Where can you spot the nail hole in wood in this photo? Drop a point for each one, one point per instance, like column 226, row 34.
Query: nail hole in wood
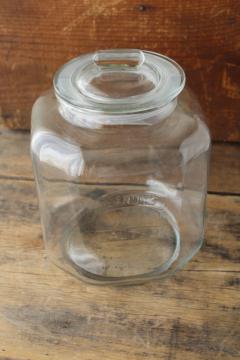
column 142, row 7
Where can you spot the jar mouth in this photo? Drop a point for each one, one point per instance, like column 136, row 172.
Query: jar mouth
column 119, row 82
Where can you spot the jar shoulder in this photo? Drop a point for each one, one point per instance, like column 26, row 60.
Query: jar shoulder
column 184, row 133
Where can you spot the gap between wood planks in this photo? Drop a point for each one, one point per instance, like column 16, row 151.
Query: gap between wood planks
column 22, row 178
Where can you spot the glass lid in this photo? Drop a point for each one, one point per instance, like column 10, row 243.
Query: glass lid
column 119, row 81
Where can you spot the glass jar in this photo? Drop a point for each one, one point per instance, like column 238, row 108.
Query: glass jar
column 120, row 156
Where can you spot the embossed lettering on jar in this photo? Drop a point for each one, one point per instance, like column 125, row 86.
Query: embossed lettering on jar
column 120, row 155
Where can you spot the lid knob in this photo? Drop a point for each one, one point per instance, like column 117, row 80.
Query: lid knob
column 126, row 58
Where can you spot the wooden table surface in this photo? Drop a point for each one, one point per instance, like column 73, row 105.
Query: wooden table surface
column 47, row 314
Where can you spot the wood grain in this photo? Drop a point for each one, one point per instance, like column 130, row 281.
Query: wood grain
column 63, row 319
column 36, row 38
column 19, row 214
column 45, row 311
column 225, row 168
column 47, row 314
column 224, row 177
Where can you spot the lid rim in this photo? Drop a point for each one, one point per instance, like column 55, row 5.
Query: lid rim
column 120, row 107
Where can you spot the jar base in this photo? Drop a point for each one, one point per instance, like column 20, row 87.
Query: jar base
column 129, row 236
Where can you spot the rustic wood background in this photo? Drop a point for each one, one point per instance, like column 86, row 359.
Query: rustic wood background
column 36, row 37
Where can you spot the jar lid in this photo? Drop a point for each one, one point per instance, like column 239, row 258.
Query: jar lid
column 122, row 81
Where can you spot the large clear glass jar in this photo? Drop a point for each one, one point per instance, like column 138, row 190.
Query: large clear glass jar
column 120, row 156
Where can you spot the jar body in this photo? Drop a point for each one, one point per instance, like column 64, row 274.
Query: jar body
column 121, row 203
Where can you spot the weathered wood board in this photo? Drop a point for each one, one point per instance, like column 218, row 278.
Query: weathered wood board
column 47, row 314
column 37, row 37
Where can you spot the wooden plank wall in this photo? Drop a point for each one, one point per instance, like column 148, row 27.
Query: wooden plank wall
column 36, row 37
